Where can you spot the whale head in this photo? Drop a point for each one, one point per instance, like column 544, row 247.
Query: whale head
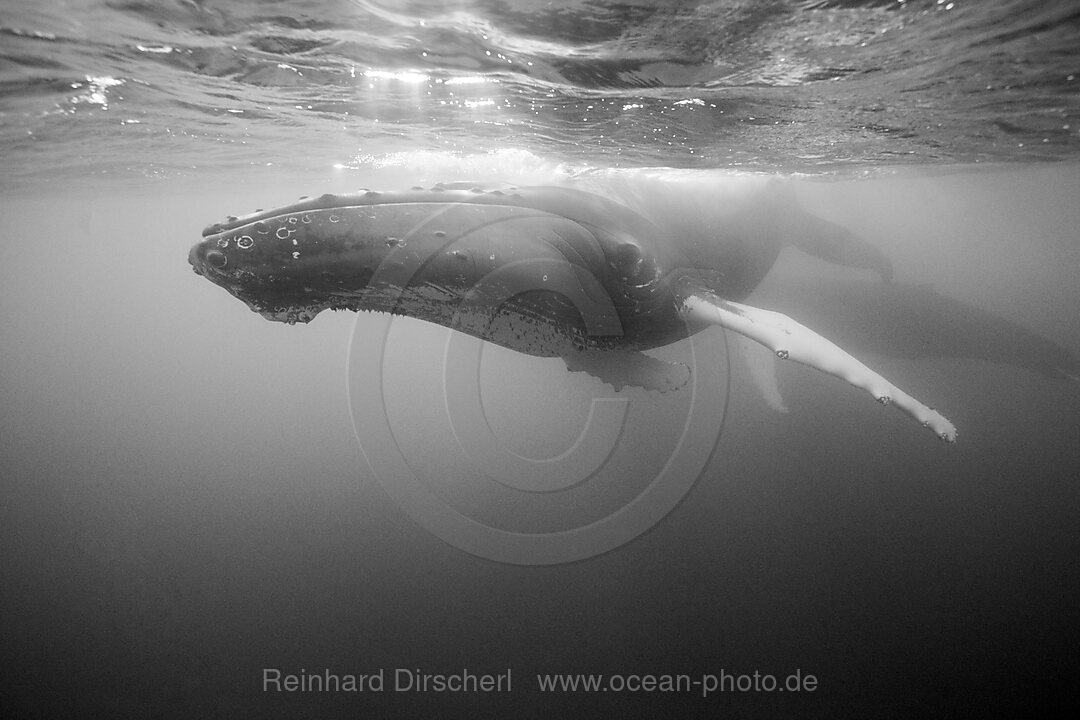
column 291, row 263
column 275, row 265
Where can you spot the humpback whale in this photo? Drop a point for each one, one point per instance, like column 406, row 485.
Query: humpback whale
column 546, row 270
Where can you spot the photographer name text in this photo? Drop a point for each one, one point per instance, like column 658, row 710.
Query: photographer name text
column 382, row 680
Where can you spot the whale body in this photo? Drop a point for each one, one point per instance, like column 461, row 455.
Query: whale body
column 547, row 271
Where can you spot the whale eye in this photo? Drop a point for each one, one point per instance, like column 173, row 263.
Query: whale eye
column 216, row 259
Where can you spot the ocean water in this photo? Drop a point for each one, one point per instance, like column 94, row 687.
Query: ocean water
column 190, row 497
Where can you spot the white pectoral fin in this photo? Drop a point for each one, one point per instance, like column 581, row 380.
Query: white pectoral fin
column 791, row 340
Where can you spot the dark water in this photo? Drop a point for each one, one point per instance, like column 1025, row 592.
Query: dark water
column 184, row 500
